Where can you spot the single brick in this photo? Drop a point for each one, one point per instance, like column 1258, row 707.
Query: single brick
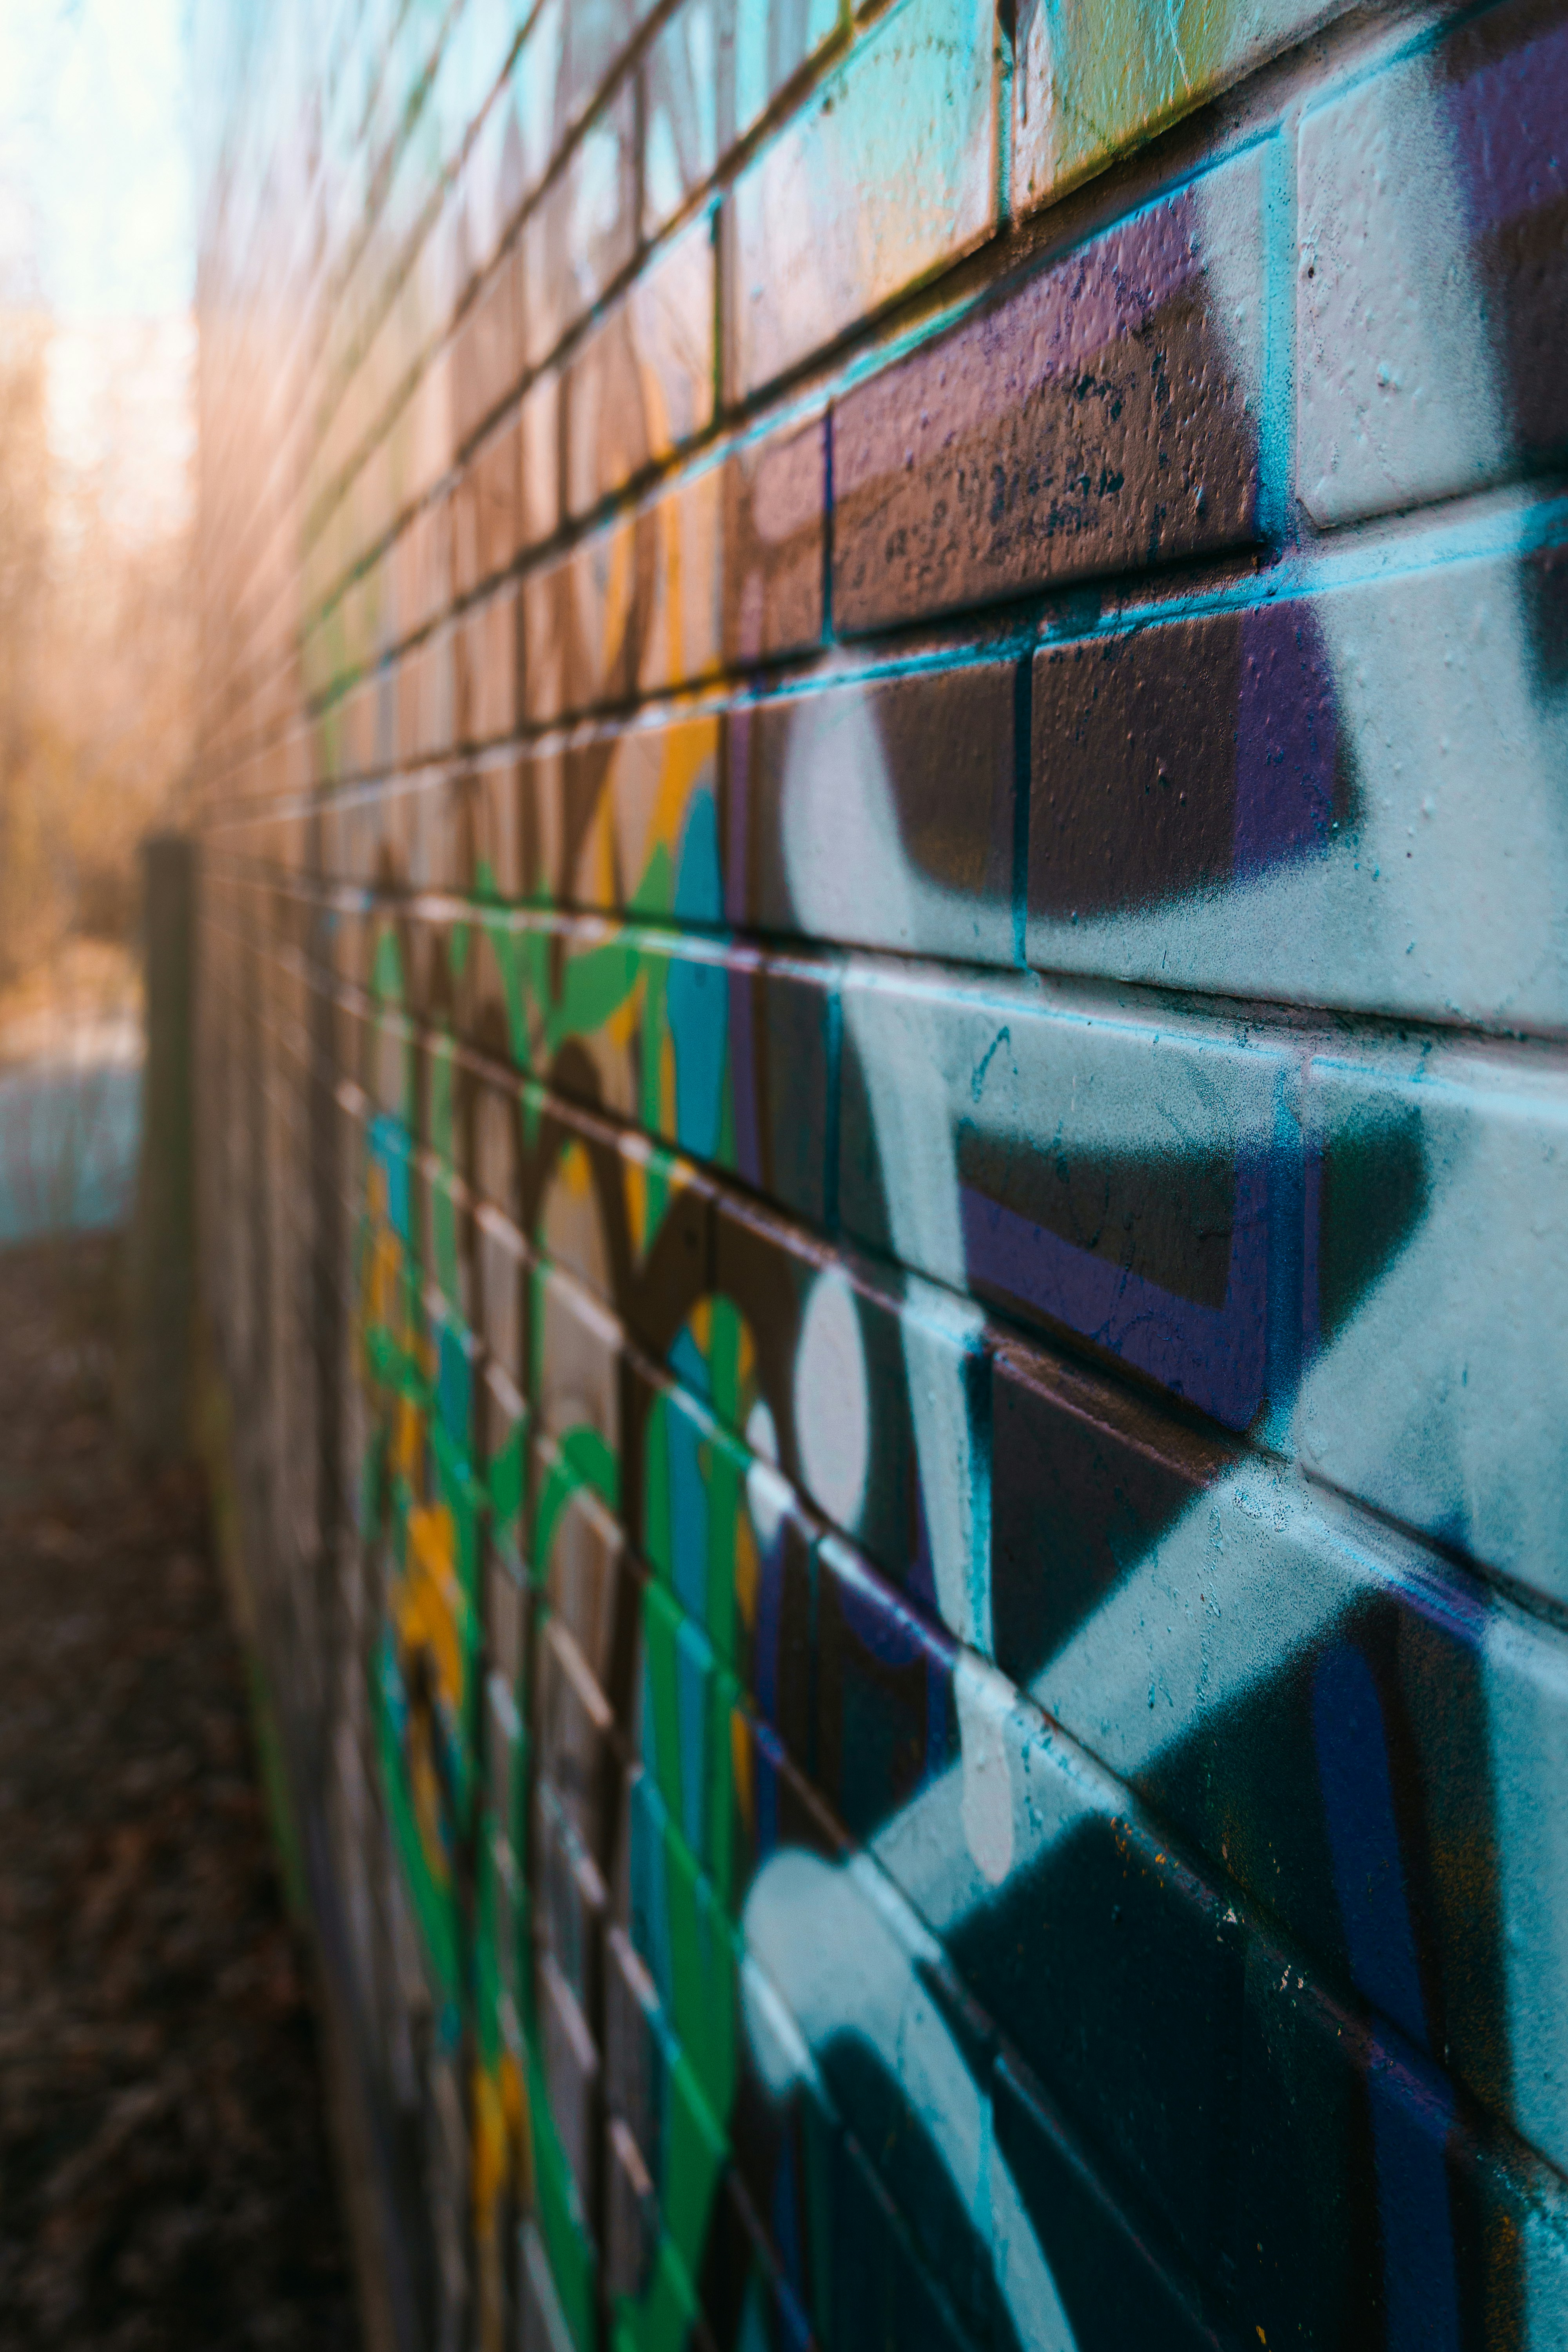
column 685, row 65
column 877, row 813
column 1437, row 1237
column 502, row 1266
column 686, row 1507
column 640, row 821
column 607, row 437
column 575, row 614
column 1128, row 1182
column 432, row 436
column 574, row 1374
column 774, row 524
column 685, row 1723
column 492, row 861
column 677, row 610
column 1182, row 758
column 357, row 743
column 484, row 510
column 422, row 561
column 487, row 668
column 1088, row 85
column 714, row 68
column 493, row 1099
column 909, row 124
column 539, row 824
column 1085, row 1477
column 1102, row 416
column 578, row 1558
column 1433, row 281
column 642, row 380
column 570, row 1163
column 582, row 231
column 488, row 348
column 425, row 697
column 539, row 460
column 780, row 1071
column 576, row 1731
column 1334, row 846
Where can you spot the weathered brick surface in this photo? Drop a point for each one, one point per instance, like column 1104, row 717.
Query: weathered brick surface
column 1431, row 242
column 909, row 120
column 1089, row 85
column 883, row 1142
column 1179, row 758
column 1104, row 416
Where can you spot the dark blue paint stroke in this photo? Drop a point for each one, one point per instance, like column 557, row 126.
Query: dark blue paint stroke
column 1217, row 1358
column 1409, row 2129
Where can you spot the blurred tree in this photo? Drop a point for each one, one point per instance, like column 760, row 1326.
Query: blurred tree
column 96, row 618
column 24, row 578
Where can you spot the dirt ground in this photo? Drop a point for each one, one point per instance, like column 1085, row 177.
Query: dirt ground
column 165, row 2179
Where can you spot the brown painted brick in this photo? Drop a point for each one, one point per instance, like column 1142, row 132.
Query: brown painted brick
column 774, row 499
column 484, row 510
column 1182, row 757
column 487, row 665
column 539, row 460
column 487, row 351
column 1101, row 417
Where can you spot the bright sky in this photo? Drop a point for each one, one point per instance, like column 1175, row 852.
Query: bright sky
column 95, row 158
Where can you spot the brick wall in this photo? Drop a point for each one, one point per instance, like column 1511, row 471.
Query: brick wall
column 885, row 1146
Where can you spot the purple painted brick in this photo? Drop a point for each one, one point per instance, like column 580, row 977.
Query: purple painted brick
column 1181, row 758
column 1101, row 417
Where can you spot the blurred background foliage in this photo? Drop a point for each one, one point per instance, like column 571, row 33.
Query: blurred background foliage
column 97, row 382
column 96, row 636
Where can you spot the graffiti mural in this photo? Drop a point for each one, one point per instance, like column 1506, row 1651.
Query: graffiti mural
column 886, row 1149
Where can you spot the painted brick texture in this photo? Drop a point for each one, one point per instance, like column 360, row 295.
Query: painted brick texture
column 885, row 1147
